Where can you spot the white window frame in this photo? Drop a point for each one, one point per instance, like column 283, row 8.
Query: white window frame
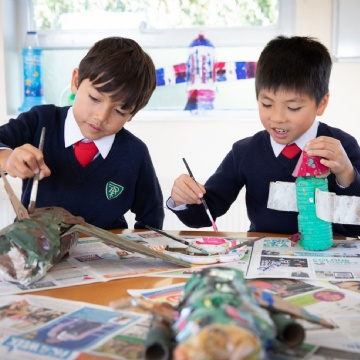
column 346, row 31
column 234, row 36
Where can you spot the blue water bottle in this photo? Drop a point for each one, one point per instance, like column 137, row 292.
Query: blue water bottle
column 32, row 58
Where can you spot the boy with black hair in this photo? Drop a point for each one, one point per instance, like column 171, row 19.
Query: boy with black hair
column 115, row 79
column 292, row 89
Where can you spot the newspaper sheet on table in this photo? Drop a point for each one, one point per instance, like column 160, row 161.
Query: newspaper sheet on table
column 94, row 261
column 328, row 299
column 281, row 258
column 37, row 328
column 42, row 328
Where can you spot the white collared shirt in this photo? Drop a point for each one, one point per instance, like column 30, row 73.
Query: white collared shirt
column 300, row 142
column 72, row 135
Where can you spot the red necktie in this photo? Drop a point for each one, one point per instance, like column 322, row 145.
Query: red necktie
column 291, row 150
column 85, row 152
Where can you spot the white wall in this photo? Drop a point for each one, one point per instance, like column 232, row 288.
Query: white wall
column 204, row 141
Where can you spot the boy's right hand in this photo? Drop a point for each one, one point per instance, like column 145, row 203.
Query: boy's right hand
column 186, row 191
column 24, row 162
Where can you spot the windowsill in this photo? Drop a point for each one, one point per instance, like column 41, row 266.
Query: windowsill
column 177, row 115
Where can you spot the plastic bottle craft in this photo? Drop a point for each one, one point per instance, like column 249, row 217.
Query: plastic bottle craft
column 201, row 72
column 32, row 58
column 221, row 317
column 315, row 234
column 200, row 75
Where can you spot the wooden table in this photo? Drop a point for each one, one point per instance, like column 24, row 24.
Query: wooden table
column 103, row 293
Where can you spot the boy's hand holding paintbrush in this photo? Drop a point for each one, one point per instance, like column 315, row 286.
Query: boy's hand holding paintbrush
column 187, row 190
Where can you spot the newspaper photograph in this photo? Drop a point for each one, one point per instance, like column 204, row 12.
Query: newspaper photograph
column 282, row 258
column 36, row 327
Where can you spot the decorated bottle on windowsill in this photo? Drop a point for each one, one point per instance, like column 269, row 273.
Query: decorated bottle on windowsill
column 315, row 234
column 200, row 79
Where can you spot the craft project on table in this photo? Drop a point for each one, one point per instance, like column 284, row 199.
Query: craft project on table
column 219, row 313
column 317, row 207
column 35, row 242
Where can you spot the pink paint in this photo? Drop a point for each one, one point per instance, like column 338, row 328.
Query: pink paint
column 212, row 241
column 214, row 226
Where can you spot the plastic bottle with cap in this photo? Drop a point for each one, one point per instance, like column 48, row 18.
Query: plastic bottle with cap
column 32, row 63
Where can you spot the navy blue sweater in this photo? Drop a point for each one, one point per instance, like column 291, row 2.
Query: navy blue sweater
column 89, row 191
column 252, row 163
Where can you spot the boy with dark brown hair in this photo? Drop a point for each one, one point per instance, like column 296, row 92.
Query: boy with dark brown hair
column 114, row 80
column 292, row 89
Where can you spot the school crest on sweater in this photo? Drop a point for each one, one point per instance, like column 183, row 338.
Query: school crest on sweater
column 113, row 190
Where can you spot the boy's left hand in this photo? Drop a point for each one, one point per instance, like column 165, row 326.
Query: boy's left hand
column 333, row 156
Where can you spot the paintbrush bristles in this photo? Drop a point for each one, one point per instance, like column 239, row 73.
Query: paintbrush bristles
column 182, row 241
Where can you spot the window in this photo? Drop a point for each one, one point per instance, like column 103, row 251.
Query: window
column 156, row 14
column 347, row 30
column 161, row 23
column 164, row 28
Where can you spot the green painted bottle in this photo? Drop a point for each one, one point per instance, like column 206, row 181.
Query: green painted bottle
column 315, row 234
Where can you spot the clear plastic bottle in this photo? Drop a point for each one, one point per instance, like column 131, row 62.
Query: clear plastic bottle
column 32, row 59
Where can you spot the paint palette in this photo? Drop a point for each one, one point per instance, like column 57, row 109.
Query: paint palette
column 234, row 255
column 213, row 245
column 216, row 247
